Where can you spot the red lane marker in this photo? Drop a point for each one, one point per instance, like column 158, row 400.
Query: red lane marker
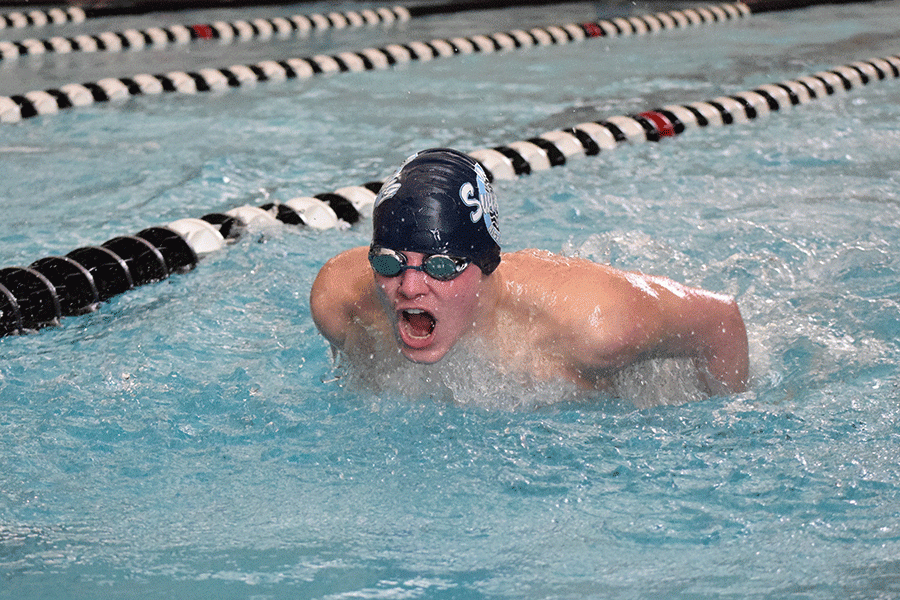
column 592, row 30
column 203, row 31
column 662, row 124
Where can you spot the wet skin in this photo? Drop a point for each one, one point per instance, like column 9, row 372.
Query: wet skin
column 538, row 313
column 429, row 316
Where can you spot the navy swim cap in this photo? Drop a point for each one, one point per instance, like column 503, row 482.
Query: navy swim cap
column 439, row 202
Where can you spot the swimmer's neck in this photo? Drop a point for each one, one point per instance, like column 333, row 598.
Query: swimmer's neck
column 484, row 323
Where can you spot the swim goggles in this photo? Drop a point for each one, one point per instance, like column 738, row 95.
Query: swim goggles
column 439, row 266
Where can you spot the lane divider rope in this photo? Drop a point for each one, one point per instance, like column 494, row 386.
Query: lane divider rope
column 222, row 31
column 40, row 294
column 40, row 18
column 554, row 148
column 59, row 16
column 46, row 102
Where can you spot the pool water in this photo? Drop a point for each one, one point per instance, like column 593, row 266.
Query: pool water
column 193, row 438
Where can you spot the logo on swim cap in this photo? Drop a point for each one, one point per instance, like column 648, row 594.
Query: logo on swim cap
column 484, row 203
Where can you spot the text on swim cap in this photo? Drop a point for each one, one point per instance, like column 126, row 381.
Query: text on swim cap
column 484, row 202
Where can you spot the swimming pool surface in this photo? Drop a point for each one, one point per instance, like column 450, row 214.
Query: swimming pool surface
column 192, row 438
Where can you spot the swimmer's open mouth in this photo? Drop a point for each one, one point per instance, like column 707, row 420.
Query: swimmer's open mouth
column 420, row 323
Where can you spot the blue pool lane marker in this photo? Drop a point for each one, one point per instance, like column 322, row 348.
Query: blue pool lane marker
column 39, row 103
column 51, row 288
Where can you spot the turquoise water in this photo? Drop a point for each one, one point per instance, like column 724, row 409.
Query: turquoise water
column 190, row 438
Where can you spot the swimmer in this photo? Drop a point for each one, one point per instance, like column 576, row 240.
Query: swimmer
column 434, row 277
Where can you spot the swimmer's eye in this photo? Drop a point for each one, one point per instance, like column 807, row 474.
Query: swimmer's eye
column 439, row 266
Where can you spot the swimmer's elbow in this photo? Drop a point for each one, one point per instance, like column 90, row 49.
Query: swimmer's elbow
column 330, row 330
column 732, row 323
column 339, row 286
column 727, row 350
column 326, row 311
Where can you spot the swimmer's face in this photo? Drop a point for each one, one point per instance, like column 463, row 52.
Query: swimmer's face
column 428, row 315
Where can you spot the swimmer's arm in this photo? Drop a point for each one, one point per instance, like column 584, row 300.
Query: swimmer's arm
column 653, row 317
column 335, row 294
column 708, row 328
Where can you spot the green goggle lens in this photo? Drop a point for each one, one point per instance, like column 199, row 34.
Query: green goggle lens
column 440, row 267
column 386, row 264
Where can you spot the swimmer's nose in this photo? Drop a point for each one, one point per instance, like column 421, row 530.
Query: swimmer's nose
column 413, row 283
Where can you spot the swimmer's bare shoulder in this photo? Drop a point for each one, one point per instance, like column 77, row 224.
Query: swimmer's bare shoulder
column 600, row 319
column 584, row 312
column 342, row 297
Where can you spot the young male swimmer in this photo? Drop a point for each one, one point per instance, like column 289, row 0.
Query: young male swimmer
column 434, row 277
